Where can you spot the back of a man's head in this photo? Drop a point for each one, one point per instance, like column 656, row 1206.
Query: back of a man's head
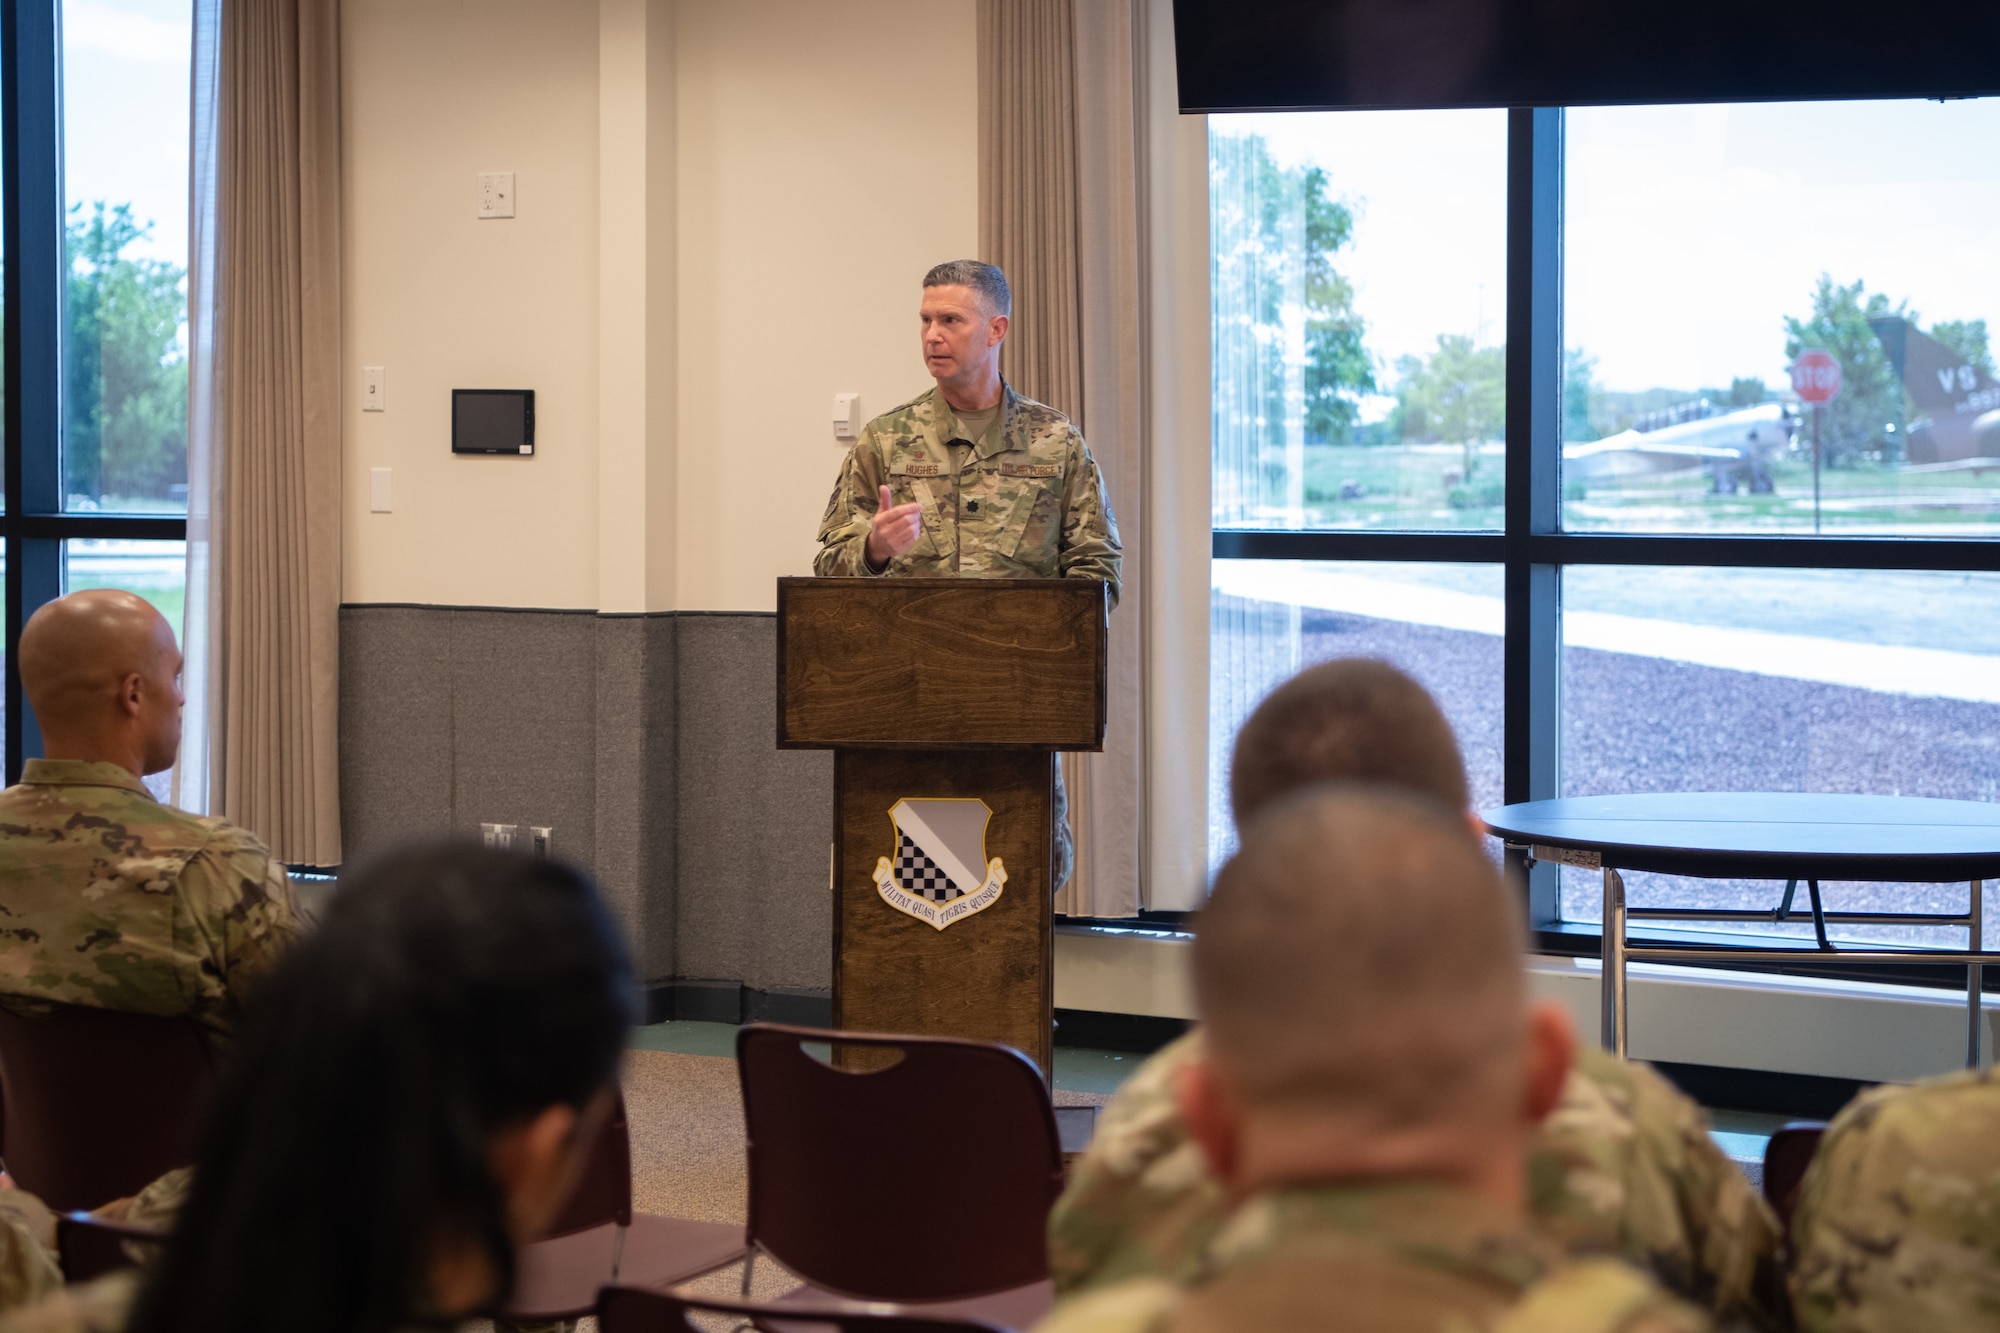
column 79, row 654
column 1356, row 719
column 1360, row 958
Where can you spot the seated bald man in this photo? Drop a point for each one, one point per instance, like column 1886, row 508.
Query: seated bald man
column 1366, row 1098
column 108, row 898
column 1623, row 1165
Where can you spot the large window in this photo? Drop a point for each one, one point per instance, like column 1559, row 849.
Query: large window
column 1360, row 277
column 94, row 121
column 1706, row 247
column 1555, row 465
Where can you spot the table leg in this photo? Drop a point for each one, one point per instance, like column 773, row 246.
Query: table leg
column 1975, row 975
column 1613, row 952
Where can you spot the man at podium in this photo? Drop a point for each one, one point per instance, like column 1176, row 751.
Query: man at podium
column 971, row 479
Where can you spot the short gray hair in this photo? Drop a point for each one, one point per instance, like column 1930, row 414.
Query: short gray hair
column 986, row 279
column 1361, row 954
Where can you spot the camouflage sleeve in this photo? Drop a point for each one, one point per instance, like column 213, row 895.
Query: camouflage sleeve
column 850, row 512
column 1090, row 548
column 1626, row 1164
column 1733, row 1259
column 243, row 916
column 103, row 1306
column 1898, row 1220
column 1600, row 1296
column 1138, row 1306
column 28, row 1269
column 1139, row 1202
column 160, row 1203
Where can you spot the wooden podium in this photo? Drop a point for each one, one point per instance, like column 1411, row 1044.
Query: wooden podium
column 936, row 695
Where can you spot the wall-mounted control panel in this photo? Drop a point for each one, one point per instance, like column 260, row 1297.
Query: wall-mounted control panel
column 493, row 421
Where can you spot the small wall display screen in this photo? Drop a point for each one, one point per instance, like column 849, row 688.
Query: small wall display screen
column 493, row 421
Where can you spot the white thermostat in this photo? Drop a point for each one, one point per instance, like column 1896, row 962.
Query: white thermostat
column 846, row 415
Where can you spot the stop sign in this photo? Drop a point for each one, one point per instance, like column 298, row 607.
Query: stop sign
column 1816, row 376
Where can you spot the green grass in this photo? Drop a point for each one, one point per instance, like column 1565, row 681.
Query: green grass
column 1866, row 499
column 1419, row 487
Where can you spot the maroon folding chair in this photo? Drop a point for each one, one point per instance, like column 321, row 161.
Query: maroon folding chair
column 926, row 1183
column 598, row 1240
column 99, row 1104
column 631, row 1310
column 89, row 1247
column 1786, row 1156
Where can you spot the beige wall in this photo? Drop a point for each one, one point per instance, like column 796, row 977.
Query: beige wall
column 828, row 157
column 724, row 208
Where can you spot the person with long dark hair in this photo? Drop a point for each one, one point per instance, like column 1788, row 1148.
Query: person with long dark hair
column 412, row 1097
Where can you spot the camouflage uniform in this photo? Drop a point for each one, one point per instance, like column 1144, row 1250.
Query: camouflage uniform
column 1898, row 1223
column 112, row 900
column 1374, row 1257
column 28, row 1269
column 1624, row 1165
column 103, row 1306
column 1023, row 501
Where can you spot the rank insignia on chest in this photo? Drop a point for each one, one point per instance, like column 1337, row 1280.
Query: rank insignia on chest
column 940, row 873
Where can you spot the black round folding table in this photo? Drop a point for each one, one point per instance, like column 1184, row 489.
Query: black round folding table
column 1790, row 836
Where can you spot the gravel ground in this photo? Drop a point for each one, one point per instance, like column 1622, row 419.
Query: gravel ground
column 1639, row 724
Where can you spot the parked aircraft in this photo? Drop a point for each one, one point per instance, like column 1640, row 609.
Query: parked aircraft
column 1737, row 447
column 1958, row 405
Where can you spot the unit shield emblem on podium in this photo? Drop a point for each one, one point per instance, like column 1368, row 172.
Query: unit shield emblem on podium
column 940, row 873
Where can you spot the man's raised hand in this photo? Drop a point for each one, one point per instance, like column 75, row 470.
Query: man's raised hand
column 893, row 531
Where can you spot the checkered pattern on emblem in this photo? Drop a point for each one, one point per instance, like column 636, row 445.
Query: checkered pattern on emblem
column 918, row 874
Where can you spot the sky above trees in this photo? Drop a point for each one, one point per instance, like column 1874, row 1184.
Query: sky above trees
column 1691, row 231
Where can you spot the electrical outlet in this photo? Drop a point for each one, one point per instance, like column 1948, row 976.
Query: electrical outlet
column 496, row 194
column 541, row 840
column 500, row 837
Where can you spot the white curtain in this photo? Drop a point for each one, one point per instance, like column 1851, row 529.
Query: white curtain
column 1063, row 147
column 264, row 425
column 191, row 774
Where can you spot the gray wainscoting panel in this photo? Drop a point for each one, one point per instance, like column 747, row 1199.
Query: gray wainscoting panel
column 635, row 789
column 395, row 725
column 755, row 821
column 524, row 725
column 659, row 807
column 646, row 742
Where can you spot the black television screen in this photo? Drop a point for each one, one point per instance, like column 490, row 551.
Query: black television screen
column 493, row 421
column 1305, row 55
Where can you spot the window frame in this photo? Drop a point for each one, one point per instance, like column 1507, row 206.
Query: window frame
column 1532, row 547
column 34, row 526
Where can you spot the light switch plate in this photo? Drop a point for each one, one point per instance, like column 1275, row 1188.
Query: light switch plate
column 496, row 194
column 374, row 389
